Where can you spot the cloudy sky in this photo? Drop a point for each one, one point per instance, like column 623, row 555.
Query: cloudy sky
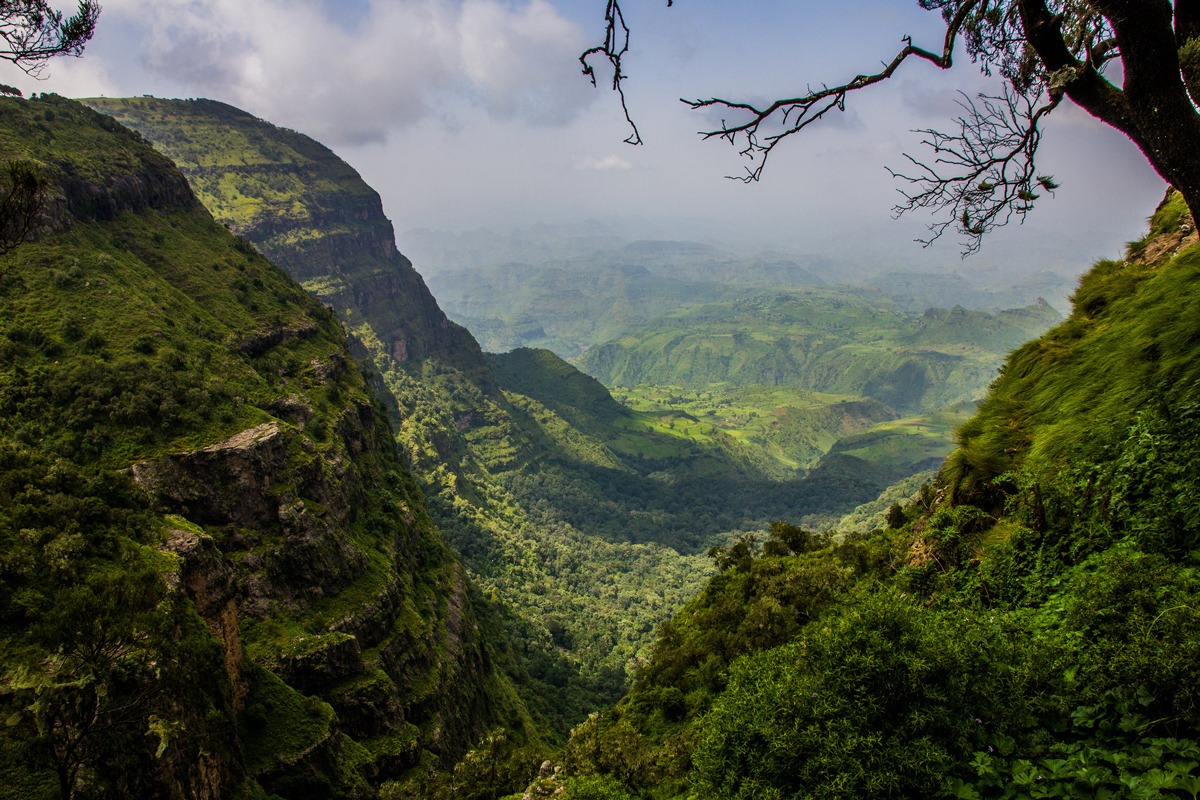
column 468, row 114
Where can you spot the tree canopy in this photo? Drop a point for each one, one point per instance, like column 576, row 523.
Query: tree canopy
column 32, row 31
column 982, row 172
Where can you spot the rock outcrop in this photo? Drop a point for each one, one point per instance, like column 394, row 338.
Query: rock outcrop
column 222, row 461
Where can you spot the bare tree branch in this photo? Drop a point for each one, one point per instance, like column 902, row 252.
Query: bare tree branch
column 797, row 113
column 616, row 45
column 984, row 175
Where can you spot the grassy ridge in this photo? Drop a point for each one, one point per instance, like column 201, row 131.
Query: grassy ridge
column 249, row 172
column 1132, row 346
column 787, row 430
column 310, row 213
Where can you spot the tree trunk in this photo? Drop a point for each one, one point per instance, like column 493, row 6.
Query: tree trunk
column 1158, row 99
column 1153, row 108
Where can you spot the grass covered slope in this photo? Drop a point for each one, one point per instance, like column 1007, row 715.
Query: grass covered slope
column 1040, row 642
column 1131, row 347
column 217, row 578
column 542, row 376
column 821, row 341
column 783, row 431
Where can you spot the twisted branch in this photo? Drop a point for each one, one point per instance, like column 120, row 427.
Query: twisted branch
column 616, row 45
column 797, row 113
column 985, row 174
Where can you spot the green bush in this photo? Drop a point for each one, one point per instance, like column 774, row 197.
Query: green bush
column 884, row 699
column 594, row 787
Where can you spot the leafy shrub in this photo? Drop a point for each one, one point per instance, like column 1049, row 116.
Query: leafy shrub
column 94, row 343
column 1115, row 762
column 594, row 787
column 883, row 699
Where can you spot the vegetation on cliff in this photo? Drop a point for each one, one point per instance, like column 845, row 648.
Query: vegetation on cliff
column 217, row 578
column 578, row 513
column 218, row 573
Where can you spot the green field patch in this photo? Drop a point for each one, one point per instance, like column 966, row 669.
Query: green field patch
column 780, row 429
column 825, row 341
column 919, row 442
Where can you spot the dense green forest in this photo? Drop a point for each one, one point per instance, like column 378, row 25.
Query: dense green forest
column 441, row 566
column 587, row 517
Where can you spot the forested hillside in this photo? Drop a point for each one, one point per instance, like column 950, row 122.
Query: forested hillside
column 217, row 578
column 1026, row 628
column 585, row 518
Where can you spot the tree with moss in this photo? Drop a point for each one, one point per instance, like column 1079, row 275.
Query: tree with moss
column 22, row 200
column 982, row 172
column 96, row 678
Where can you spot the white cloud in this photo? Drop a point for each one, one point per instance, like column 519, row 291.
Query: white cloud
column 605, row 164
column 402, row 60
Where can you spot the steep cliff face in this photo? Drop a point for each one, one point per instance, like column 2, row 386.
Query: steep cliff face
column 217, row 577
column 310, row 213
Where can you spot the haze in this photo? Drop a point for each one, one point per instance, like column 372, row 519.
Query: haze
column 473, row 115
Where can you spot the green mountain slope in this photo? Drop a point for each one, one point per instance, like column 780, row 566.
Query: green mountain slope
column 1026, row 627
column 308, row 212
column 574, row 302
column 786, row 431
column 479, row 454
column 824, row 342
column 217, row 577
column 540, row 375
column 1131, row 348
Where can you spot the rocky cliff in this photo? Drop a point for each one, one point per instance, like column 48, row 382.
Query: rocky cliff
column 218, row 578
column 310, row 213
